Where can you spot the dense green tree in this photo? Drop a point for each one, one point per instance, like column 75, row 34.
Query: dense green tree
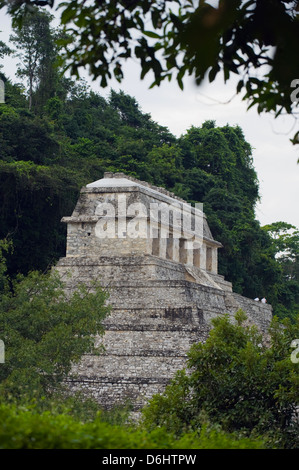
column 285, row 242
column 285, row 246
column 237, row 380
column 33, row 200
column 44, row 331
column 128, row 109
column 35, row 140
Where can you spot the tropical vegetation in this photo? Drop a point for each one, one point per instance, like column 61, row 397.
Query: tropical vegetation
column 57, row 135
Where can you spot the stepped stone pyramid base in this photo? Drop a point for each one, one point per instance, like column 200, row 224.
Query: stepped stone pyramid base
column 161, row 302
column 158, row 312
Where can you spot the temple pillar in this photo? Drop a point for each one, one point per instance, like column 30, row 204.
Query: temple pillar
column 209, row 259
column 189, row 252
column 196, row 257
column 214, row 261
column 169, row 247
column 203, row 256
column 183, row 251
column 162, row 247
column 176, row 249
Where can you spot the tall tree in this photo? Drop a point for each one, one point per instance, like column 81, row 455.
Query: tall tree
column 35, row 42
column 285, row 247
column 285, row 242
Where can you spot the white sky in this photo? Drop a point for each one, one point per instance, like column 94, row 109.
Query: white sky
column 274, row 156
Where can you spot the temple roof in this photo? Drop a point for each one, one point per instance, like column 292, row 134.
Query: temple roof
column 115, row 182
column 120, row 180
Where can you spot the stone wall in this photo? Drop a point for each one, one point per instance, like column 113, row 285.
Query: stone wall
column 156, row 316
column 161, row 304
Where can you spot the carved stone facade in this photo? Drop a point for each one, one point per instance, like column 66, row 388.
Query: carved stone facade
column 157, row 258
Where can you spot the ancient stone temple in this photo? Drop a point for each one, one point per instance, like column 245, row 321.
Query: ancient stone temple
column 157, row 257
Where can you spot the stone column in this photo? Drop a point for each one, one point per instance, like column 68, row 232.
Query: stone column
column 189, row 252
column 196, row 257
column 156, row 246
column 209, row 259
column 183, row 251
column 203, row 257
column 162, row 247
column 149, row 243
column 176, row 249
column 169, row 247
column 214, row 260
column 154, row 234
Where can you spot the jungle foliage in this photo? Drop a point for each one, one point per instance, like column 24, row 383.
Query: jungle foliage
column 25, row 428
column 255, row 40
column 45, row 332
column 57, row 135
column 238, row 381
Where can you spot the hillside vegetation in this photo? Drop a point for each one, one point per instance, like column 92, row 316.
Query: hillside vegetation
column 49, row 152
column 57, row 135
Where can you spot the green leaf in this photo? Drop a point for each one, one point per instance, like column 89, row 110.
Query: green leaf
column 68, row 14
column 151, row 34
column 213, row 72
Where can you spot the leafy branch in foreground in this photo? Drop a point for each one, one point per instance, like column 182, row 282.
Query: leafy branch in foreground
column 253, row 40
column 25, row 428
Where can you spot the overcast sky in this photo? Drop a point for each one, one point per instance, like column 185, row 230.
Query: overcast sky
column 275, row 158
